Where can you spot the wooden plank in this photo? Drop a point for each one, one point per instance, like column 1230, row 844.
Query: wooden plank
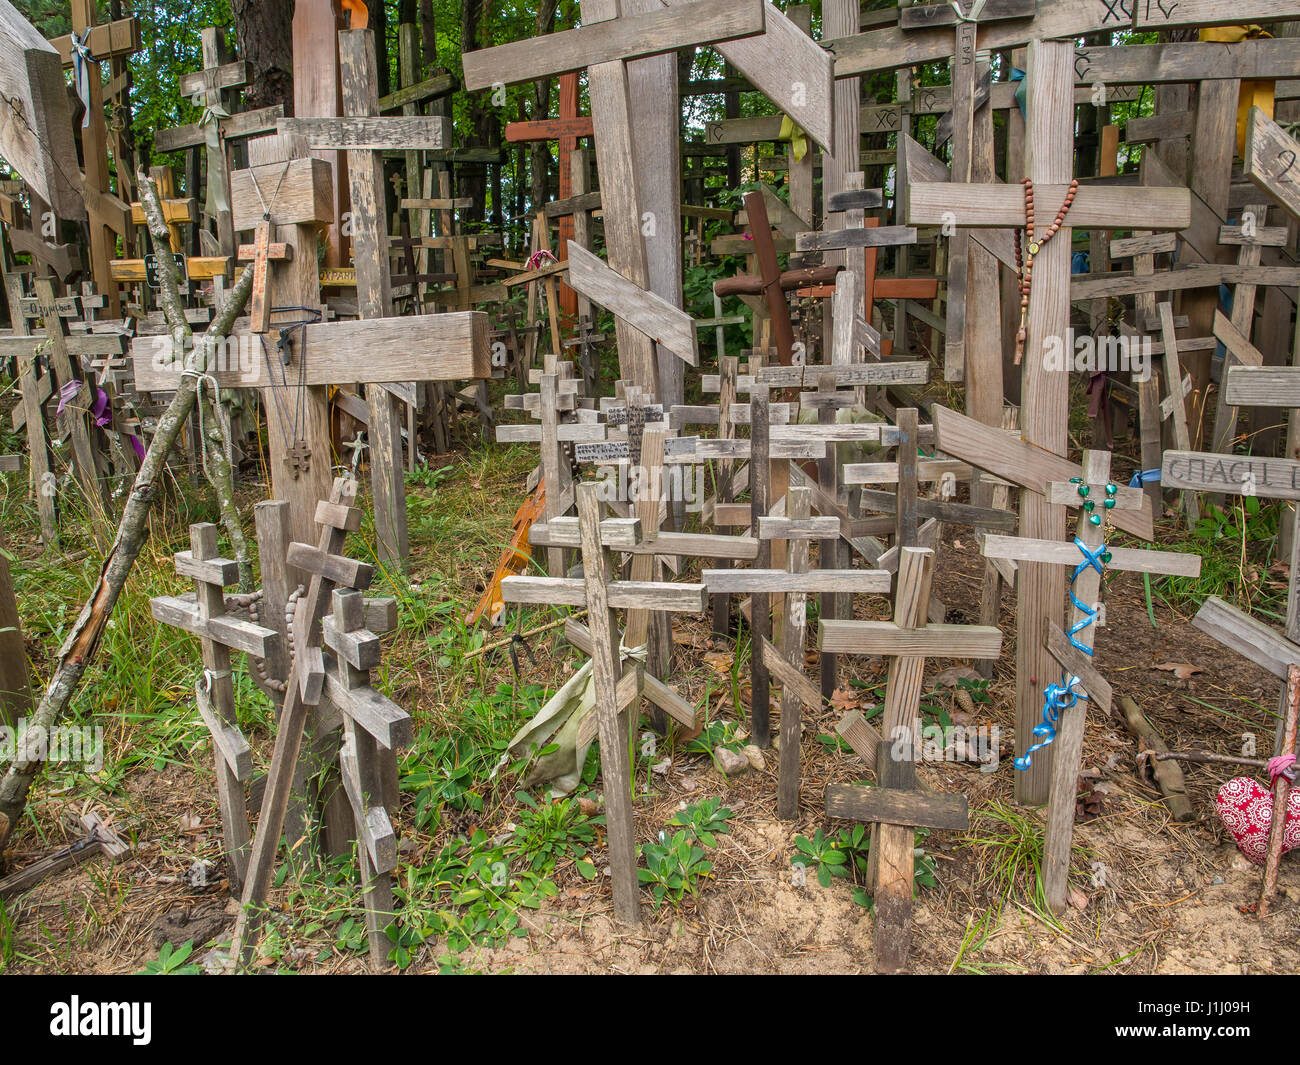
column 1247, row 636
column 1075, row 661
column 640, row 308
column 237, row 127
column 438, row 347
column 931, row 641
column 892, row 806
column 1270, row 158
column 1262, row 386
column 1233, row 474
column 227, row 76
column 623, row 595
column 1146, row 64
column 1003, row 206
column 836, row 240
column 1018, row 461
column 1181, row 278
column 1156, row 16
column 924, row 16
column 367, row 133
column 776, row 581
column 789, row 676
column 1061, row 553
column 621, row 39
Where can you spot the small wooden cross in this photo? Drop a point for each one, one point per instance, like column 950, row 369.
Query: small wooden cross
column 895, row 804
column 1063, row 718
column 214, row 692
column 304, row 689
column 795, row 582
column 615, row 688
column 374, row 728
column 585, row 342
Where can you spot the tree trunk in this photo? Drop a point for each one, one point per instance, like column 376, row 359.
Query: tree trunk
column 539, row 162
column 265, row 36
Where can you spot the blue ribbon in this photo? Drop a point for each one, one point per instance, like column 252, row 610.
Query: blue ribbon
column 1063, row 695
column 1142, row 477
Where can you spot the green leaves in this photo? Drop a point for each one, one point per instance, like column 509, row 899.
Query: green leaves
column 171, row 961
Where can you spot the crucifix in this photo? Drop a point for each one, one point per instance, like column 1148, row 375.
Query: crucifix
column 302, row 355
column 88, row 46
column 374, row 727
column 1045, row 314
column 214, row 692
column 616, row 688
column 566, row 131
column 896, row 806
column 1062, row 716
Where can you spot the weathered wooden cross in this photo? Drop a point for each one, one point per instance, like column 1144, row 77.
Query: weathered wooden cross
column 895, row 805
column 374, row 727
column 1062, row 716
column 214, row 692
column 1049, row 158
column 616, row 688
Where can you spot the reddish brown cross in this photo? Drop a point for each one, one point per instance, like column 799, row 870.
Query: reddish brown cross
column 568, row 129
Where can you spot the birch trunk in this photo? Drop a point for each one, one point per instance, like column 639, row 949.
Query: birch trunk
column 83, row 641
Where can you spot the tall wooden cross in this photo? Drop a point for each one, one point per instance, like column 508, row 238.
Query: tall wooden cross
column 566, row 131
column 1049, row 160
column 301, row 356
column 365, row 135
column 109, row 215
column 1062, row 715
column 896, row 805
column 214, row 692
column 616, row 689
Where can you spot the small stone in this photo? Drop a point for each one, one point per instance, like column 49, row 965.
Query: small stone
column 730, row 763
column 1218, row 880
column 755, row 756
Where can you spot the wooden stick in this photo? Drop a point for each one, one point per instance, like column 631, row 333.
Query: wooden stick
column 1169, row 777
column 1281, row 791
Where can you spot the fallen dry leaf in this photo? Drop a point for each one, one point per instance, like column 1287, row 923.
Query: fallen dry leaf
column 720, row 661
column 846, row 699
column 1181, row 670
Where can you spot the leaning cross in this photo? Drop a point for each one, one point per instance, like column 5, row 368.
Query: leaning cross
column 214, row 692
column 895, row 804
column 1063, row 718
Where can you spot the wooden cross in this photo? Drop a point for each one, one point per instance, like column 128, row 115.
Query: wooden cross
column 214, row 692
column 374, row 728
column 305, row 688
column 585, row 342
column 566, row 131
column 314, row 355
column 109, row 216
column 1049, row 140
column 615, row 688
column 895, row 804
column 1063, row 718
column 1267, row 478
column 794, row 582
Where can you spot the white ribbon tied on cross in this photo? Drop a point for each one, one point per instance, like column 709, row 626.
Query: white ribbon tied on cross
column 81, row 60
column 210, row 122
